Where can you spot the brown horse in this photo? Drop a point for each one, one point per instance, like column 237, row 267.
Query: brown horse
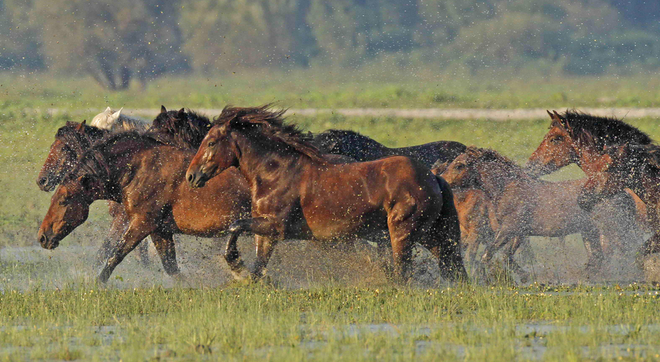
column 146, row 174
column 580, row 138
column 475, row 215
column 636, row 167
column 296, row 193
column 524, row 206
column 71, row 141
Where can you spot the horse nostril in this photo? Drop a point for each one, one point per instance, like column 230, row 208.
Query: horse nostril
column 43, row 239
column 190, row 178
column 41, row 181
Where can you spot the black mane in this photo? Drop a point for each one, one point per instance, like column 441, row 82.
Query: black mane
column 79, row 141
column 181, row 128
column 600, row 131
column 93, row 161
column 269, row 124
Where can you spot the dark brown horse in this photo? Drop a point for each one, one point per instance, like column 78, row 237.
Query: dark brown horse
column 71, row 141
column 146, row 174
column 296, row 193
column 636, row 167
column 362, row 148
column 524, row 206
column 580, row 138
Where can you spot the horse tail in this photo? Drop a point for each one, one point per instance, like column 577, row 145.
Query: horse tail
column 445, row 237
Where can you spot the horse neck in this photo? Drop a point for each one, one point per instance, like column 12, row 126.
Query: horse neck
column 259, row 161
column 496, row 176
column 116, row 160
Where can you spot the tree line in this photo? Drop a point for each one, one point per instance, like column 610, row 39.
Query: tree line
column 118, row 41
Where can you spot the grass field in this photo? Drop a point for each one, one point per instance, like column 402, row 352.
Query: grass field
column 321, row 304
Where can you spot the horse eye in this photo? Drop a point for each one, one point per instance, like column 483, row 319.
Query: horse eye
column 212, row 143
column 556, row 139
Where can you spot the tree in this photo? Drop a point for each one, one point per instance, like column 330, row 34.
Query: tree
column 223, row 34
column 112, row 41
column 19, row 40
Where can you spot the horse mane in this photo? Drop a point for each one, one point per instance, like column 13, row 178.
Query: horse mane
column 180, row 128
column 94, row 162
column 643, row 154
column 476, row 154
column 599, row 131
column 270, row 124
column 77, row 141
column 326, row 140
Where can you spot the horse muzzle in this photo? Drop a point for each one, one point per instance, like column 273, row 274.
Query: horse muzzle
column 196, row 179
column 47, row 240
column 46, row 184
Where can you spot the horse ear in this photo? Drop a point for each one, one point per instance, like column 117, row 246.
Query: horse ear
column 117, row 114
column 182, row 113
column 163, row 109
column 81, row 126
column 108, row 110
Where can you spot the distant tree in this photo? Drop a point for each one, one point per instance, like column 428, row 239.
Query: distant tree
column 19, row 40
column 224, row 34
column 112, row 41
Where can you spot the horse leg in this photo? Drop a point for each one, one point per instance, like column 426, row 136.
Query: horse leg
column 472, row 241
column 117, row 228
column 591, row 239
column 265, row 247
column 164, row 244
column 268, row 231
column 518, row 241
column 143, row 253
column 503, row 236
column 137, row 231
column 233, row 257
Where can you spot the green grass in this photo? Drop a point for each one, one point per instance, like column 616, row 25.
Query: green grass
column 338, row 88
column 331, row 323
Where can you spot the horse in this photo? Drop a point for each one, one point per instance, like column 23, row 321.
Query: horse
column 475, row 215
column 145, row 173
column 296, row 193
column 117, row 122
column 632, row 166
column 580, row 138
column 362, row 148
column 524, row 206
column 71, row 141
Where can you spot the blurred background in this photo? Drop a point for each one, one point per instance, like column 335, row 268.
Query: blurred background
column 130, row 43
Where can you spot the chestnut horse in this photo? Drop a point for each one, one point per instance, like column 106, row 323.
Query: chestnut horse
column 71, row 141
column 580, row 138
column 362, row 148
column 524, row 206
column 145, row 173
column 296, row 193
column 636, row 167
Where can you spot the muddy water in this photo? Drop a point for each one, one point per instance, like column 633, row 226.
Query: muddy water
column 295, row 264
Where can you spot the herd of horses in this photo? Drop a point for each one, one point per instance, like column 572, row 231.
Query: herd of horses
column 249, row 170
